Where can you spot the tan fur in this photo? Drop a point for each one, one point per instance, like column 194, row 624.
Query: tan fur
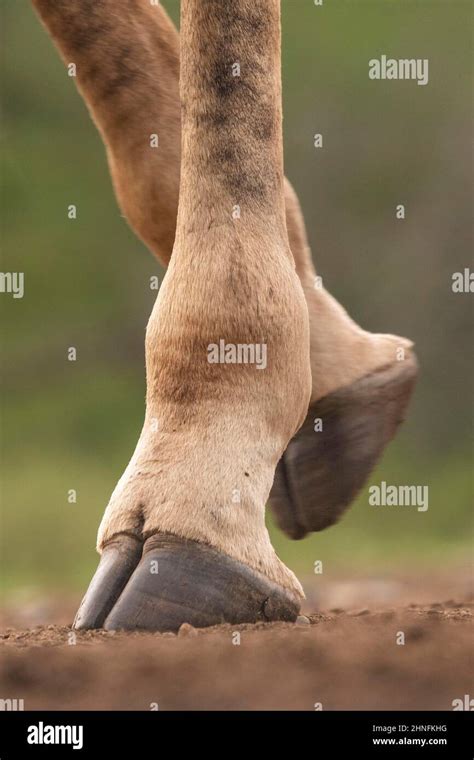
column 146, row 180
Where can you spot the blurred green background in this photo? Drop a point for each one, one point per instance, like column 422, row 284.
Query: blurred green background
column 73, row 425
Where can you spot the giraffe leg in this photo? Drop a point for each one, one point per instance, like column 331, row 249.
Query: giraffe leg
column 217, row 420
column 127, row 71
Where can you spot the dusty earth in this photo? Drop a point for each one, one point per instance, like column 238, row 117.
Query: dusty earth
column 348, row 655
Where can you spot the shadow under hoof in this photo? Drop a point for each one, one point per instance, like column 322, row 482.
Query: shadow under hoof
column 322, row 471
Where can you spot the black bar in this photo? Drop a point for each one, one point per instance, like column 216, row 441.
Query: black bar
column 445, row 734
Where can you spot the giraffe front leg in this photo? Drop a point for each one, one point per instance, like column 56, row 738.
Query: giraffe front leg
column 227, row 353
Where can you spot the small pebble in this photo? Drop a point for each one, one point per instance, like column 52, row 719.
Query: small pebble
column 169, row 634
column 187, row 630
column 303, row 620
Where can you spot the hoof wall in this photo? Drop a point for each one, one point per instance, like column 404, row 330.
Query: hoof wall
column 179, row 581
column 117, row 562
column 322, row 472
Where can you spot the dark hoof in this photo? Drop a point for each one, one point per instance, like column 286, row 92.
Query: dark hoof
column 118, row 561
column 321, row 473
column 179, row 581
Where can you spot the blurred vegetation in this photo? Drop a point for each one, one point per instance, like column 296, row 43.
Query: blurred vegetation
column 74, row 424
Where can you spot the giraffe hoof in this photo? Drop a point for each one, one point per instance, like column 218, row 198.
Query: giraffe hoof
column 117, row 562
column 180, row 581
column 321, row 472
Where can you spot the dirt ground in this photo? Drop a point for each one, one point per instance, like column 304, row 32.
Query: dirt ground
column 348, row 655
